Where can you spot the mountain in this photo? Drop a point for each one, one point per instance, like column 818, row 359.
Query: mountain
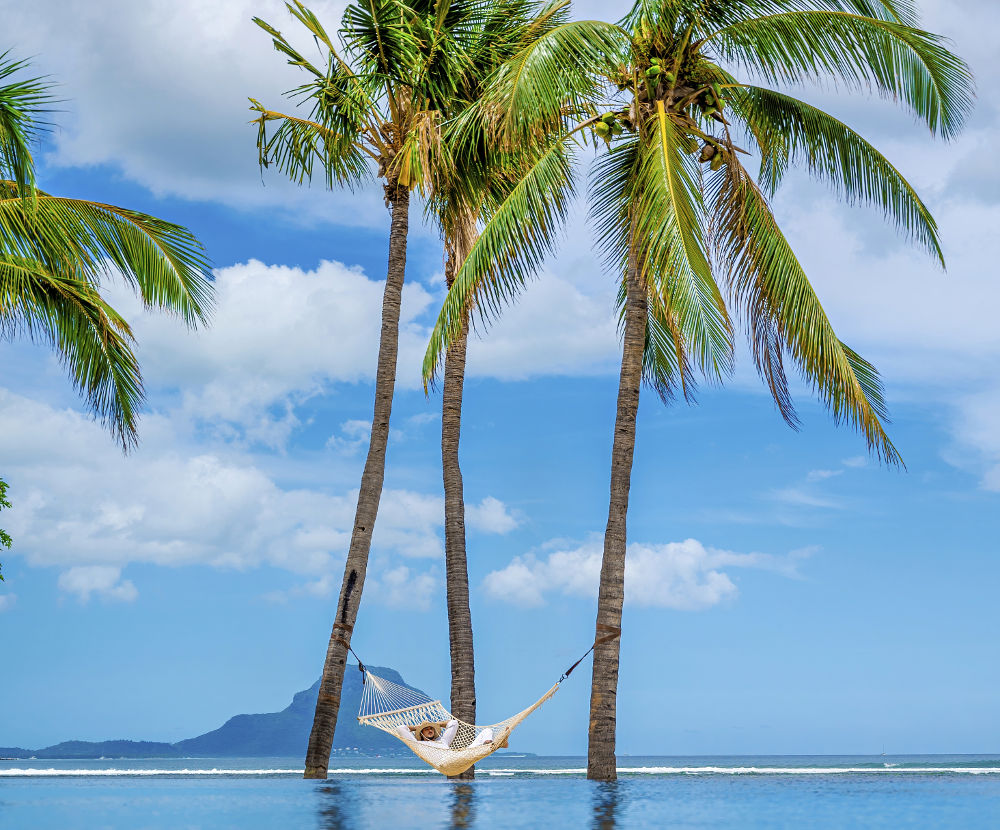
column 108, row 749
column 287, row 732
column 272, row 734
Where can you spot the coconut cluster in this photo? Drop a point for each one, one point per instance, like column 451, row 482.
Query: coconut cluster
column 686, row 87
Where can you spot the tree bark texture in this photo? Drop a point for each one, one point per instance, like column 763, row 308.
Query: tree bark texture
column 328, row 702
column 601, row 765
column 463, row 668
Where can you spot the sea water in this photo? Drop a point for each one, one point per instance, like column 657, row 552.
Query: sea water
column 935, row 791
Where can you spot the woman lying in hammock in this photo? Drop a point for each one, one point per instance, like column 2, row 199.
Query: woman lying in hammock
column 431, row 732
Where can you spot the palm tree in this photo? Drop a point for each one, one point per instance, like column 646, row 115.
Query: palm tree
column 687, row 227
column 5, row 540
column 375, row 108
column 55, row 252
column 472, row 177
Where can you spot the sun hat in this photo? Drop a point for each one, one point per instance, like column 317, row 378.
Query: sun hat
column 420, row 727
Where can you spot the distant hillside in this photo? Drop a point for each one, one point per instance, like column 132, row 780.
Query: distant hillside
column 108, row 749
column 287, row 732
column 283, row 733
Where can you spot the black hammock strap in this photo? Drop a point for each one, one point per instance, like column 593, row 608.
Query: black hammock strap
column 346, row 644
column 611, row 631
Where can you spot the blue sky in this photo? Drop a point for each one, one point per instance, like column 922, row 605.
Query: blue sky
column 786, row 594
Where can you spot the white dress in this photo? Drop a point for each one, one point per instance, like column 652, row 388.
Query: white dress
column 447, row 735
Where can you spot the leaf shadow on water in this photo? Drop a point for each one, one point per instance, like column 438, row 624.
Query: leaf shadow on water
column 463, row 807
column 607, row 798
column 337, row 810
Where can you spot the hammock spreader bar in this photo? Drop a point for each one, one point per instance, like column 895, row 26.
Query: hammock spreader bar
column 397, row 710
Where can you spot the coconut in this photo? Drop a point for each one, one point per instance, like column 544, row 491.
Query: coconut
column 603, row 129
column 670, row 76
column 708, row 152
column 654, row 60
column 608, row 117
column 717, row 162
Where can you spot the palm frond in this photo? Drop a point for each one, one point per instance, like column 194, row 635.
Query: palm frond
column 782, row 312
column 512, row 245
column 553, row 75
column 907, row 64
column 161, row 260
column 297, row 146
column 669, row 212
column 93, row 341
column 23, row 103
column 790, row 131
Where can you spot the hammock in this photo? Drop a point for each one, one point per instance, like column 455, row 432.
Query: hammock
column 388, row 706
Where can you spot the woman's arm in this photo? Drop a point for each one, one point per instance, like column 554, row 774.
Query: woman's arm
column 450, row 730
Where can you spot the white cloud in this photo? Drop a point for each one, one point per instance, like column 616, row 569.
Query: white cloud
column 396, row 587
column 282, row 335
column 7, row 601
column 167, row 106
column 490, row 516
column 977, row 434
column 685, row 576
column 400, row 588
column 103, row 580
column 279, row 336
column 84, row 508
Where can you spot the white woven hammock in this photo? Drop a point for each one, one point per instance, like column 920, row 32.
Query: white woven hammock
column 387, row 706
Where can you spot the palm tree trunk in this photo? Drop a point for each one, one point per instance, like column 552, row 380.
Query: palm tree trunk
column 328, row 702
column 463, row 668
column 601, row 764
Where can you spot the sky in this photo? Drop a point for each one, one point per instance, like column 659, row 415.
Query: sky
column 784, row 593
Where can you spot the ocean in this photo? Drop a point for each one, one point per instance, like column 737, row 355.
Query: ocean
column 928, row 791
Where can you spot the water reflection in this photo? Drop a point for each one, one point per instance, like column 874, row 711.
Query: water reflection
column 337, row 810
column 463, row 806
column 607, row 797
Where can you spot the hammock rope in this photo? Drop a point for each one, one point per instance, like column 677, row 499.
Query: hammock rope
column 397, row 710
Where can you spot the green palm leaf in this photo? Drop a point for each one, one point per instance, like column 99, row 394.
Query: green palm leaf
column 782, row 311
column 554, row 75
column 93, row 341
column 513, row 244
column 791, row 132
column 666, row 201
column 907, row 64
column 22, row 104
column 161, row 260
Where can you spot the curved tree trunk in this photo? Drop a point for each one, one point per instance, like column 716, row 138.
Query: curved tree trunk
column 463, row 668
column 604, row 685
column 328, row 702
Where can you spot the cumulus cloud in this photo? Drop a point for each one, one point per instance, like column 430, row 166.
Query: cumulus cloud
column 167, row 106
column 977, row 435
column 102, row 580
column 169, row 506
column 401, row 588
column 686, row 576
column 281, row 336
column 490, row 516
column 395, row 587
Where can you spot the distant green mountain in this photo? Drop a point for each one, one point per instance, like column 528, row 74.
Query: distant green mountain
column 283, row 733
